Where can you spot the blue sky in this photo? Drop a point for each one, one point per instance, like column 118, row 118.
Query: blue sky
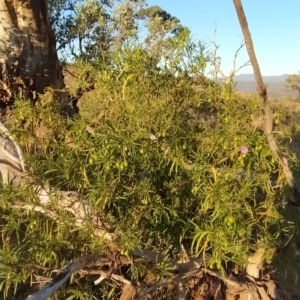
column 274, row 26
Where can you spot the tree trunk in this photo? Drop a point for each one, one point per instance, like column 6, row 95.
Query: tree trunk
column 268, row 117
column 28, row 57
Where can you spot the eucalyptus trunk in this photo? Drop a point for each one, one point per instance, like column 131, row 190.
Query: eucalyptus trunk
column 28, row 57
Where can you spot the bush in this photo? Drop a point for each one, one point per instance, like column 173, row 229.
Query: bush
column 162, row 165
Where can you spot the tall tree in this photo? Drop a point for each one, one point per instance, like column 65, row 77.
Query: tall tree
column 28, row 56
column 293, row 82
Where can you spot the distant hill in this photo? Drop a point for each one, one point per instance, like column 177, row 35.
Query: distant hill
column 276, row 85
column 250, row 77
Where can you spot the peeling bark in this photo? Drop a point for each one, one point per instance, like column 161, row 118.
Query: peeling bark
column 28, row 57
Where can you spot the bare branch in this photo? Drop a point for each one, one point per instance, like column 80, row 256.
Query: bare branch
column 179, row 273
column 157, row 285
column 217, row 63
column 60, row 278
column 235, row 70
column 9, row 148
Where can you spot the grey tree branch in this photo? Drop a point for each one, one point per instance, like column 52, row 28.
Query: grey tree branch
column 60, row 278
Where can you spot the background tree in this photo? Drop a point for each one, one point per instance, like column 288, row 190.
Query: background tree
column 293, row 81
column 87, row 29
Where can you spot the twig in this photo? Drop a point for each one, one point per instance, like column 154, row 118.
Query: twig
column 217, row 63
column 157, row 285
column 247, row 63
column 185, row 256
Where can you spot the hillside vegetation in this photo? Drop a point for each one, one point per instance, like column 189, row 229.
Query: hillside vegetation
column 158, row 165
column 276, row 90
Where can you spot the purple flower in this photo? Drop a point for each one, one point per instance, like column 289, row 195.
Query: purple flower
column 244, row 150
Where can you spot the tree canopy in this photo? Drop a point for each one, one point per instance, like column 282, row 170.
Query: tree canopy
column 88, row 29
column 293, row 81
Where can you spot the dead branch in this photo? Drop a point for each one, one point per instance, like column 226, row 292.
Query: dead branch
column 157, row 285
column 60, row 279
column 179, row 273
column 217, row 63
column 12, row 168
column 247, row 63
column 9, row 149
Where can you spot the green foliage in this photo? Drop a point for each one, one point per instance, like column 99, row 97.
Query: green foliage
column 293, row 81
column 92, row 28
column 162, row 164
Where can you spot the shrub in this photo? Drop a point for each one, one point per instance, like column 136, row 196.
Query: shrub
column 160, row 163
